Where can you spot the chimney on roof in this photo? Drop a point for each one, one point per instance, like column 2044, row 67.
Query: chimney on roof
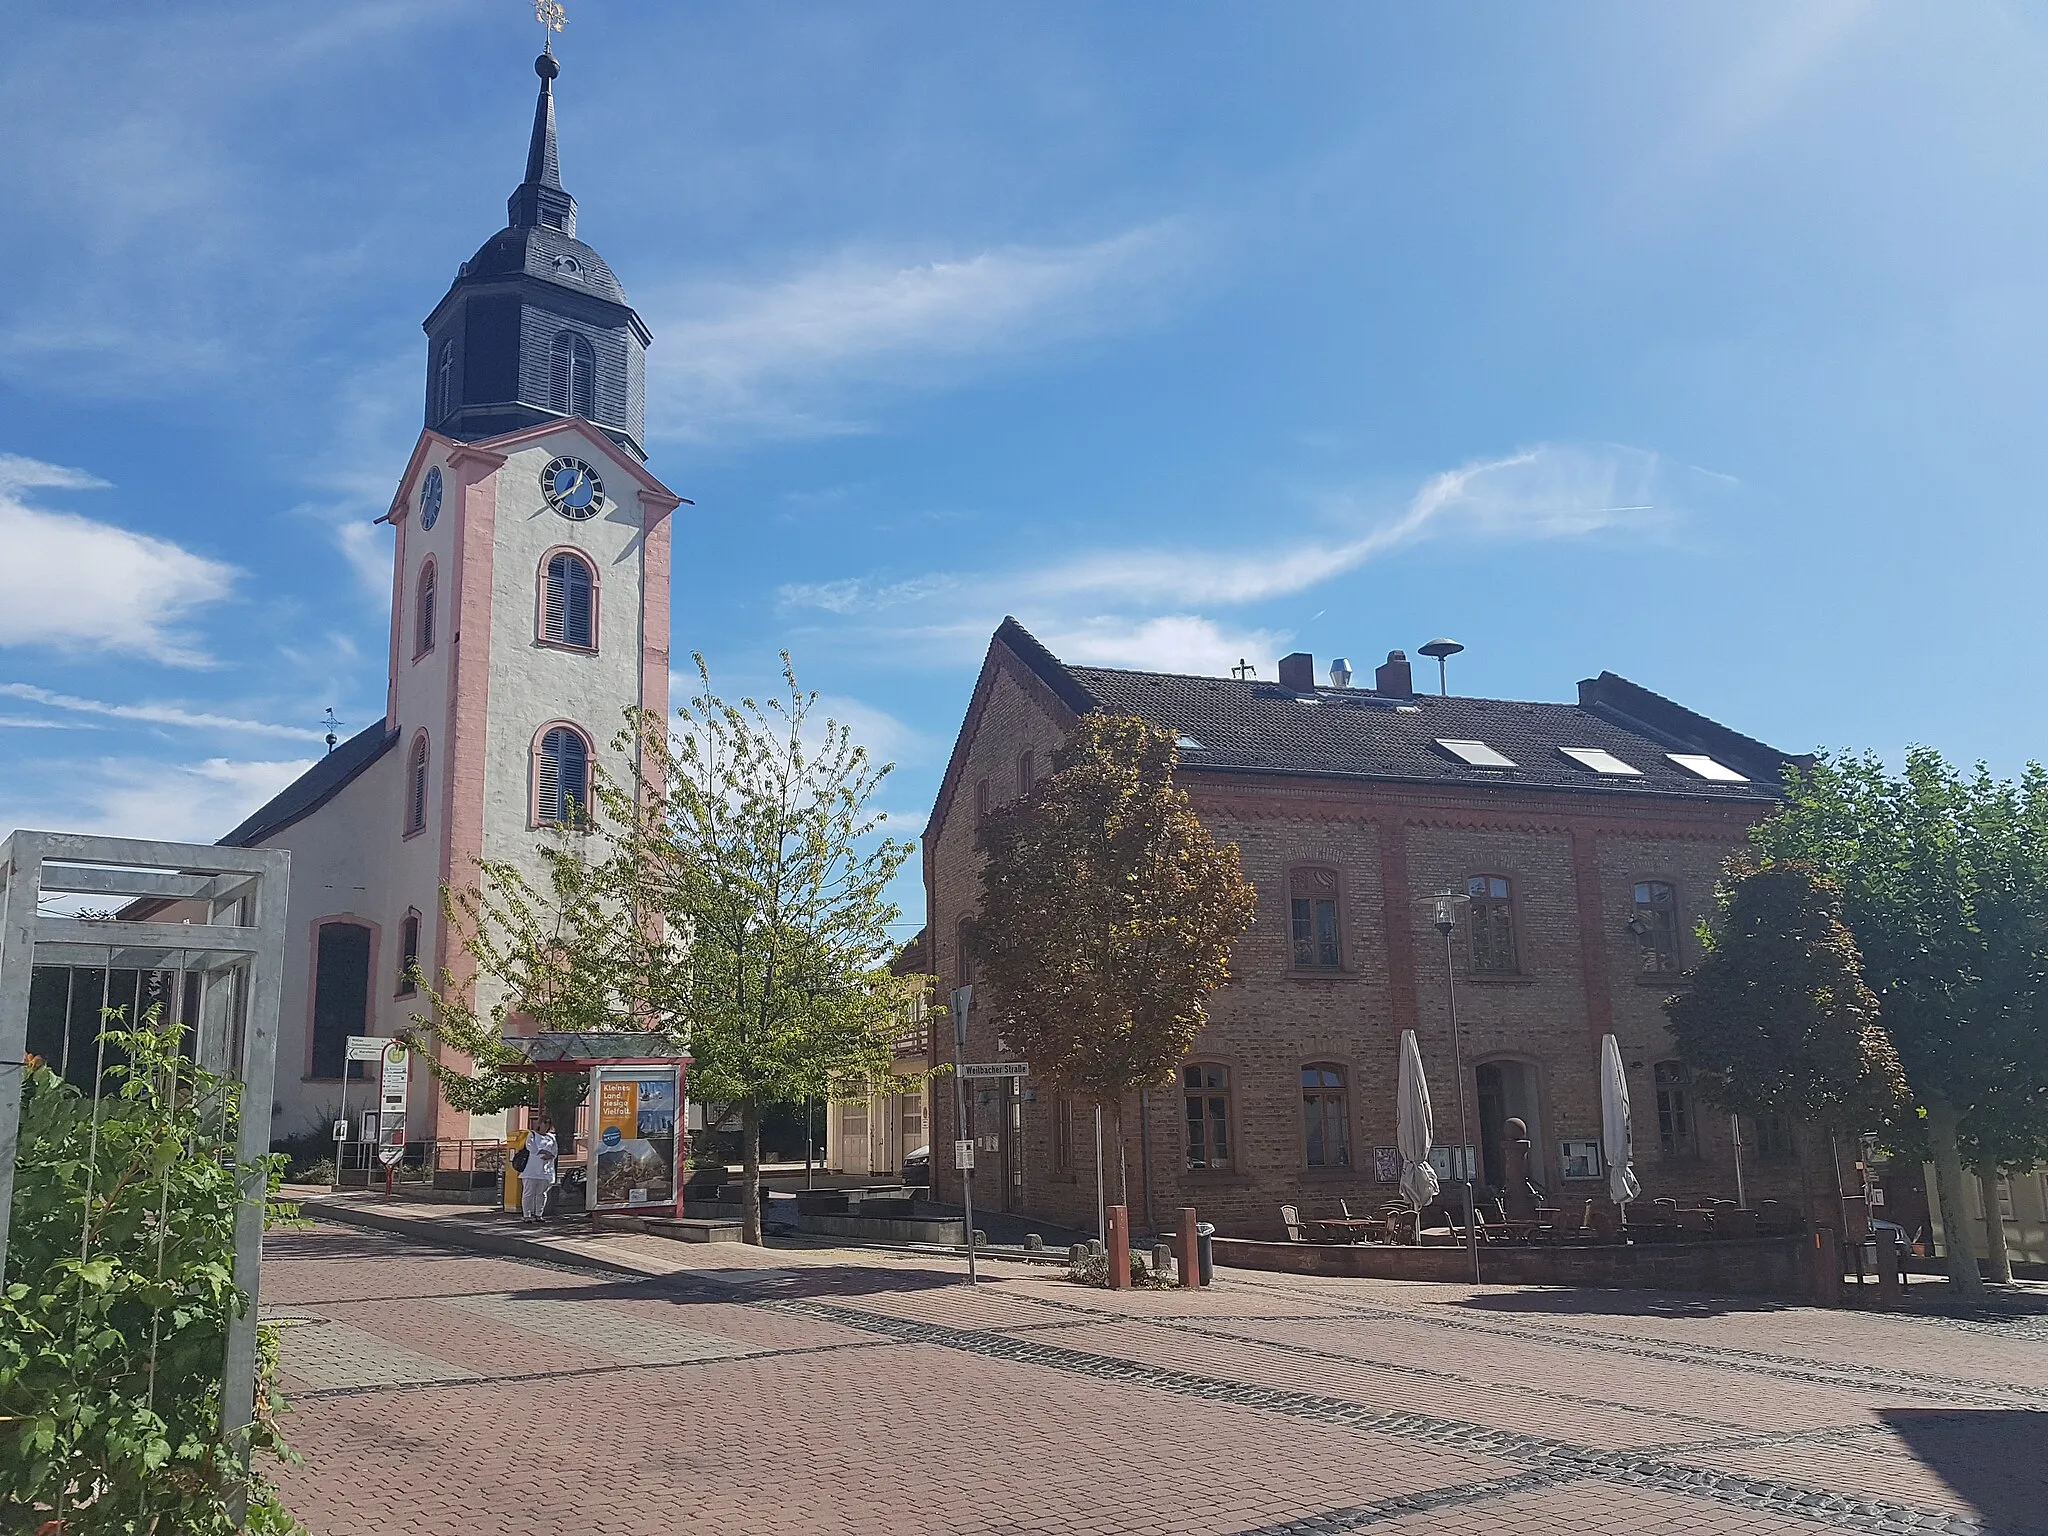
column 1394, row 676
column 1298, row 672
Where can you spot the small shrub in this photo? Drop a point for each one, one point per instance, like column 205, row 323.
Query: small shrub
column 110, row 1364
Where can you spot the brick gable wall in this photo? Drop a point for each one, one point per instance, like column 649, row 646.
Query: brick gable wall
column 1574, row 861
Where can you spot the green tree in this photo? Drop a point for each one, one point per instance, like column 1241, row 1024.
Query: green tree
column 1942, row 884
column 751, row 828
column 1107, row 914
column 1778, row 1020
column 574, row 954
column 120, row 1289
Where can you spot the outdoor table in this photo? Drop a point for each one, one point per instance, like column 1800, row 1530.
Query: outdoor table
column 1341, row 1229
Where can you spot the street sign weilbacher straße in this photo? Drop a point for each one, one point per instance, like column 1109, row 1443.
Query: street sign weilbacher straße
column 974, row 1069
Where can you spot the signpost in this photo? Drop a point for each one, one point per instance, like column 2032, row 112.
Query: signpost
column 360, row 1048
column 392, row 1089
column 962, row 999
column 980, row 1069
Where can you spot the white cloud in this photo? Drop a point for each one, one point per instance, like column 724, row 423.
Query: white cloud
column 1133, row 607
column 72, row 583
column 781, row 360
column 854, row 595
column 152, row 714
column 1547, row 492
column 139, row 797
column 887, row 739
column 1178, row 642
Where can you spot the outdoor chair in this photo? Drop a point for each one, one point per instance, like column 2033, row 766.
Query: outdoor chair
column 1290, row 1218
column 1696, row 1223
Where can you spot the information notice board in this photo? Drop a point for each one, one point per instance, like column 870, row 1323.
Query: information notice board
column 635, row 1149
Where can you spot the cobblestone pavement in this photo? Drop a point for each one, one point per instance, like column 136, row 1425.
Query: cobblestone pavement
column 437, row 1391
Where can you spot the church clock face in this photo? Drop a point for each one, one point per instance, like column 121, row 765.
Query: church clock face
column 430, row 499
column 572, row 488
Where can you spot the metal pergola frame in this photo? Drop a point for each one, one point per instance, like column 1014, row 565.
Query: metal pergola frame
column 238, row 951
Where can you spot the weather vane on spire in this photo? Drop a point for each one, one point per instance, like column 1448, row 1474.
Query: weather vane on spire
column 552, row 19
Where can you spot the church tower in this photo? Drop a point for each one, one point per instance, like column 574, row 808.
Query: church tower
column 535, row 326
column 529, row 611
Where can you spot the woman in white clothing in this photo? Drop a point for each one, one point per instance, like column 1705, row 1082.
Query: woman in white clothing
column 538, row 1176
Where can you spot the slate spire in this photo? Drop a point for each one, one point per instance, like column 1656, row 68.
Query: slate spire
column 540, row 199
column 536, row 326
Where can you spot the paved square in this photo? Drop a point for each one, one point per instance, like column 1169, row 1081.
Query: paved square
column 443, row 1392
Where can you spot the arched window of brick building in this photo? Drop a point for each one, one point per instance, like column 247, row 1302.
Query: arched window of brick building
column 1325, row 1115
column 1656, row 925
column 1493, row 924
column 1313, row 919
column 1676, row 1132
column 1027, row 772
column 1205, row 1091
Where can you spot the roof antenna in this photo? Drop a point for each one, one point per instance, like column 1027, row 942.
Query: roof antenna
column 333, row 728
column 1243, row 670
column 1442, row 650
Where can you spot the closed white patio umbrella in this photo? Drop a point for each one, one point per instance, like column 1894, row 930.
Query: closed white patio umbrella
column 1615, row 1142
column 1414, row 1128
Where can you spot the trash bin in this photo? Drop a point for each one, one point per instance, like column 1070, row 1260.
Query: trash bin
column 1204, row 1255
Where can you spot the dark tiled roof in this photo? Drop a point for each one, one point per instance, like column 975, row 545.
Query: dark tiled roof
column 315, row 787
column 1260, row 727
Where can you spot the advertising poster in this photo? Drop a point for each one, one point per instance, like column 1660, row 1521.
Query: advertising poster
column 636, row 1140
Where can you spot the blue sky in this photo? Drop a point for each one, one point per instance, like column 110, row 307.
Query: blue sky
column 1699, row 343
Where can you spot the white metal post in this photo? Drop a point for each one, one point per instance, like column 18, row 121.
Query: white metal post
column 21, row 868
column 258, row 1074
column 1101, row 1209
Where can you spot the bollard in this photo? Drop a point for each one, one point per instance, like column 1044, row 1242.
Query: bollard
column 1095, row 1247
column 1826, row 1275
column 1190, row 1258
column 1162, row 1259
column 1119, row 1248
column 980, row 1238
column 1887, row 1267
column 1077, row 1254
column 1033, row 1243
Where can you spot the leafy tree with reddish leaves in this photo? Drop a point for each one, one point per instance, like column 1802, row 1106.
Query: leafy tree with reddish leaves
column 1107, row 914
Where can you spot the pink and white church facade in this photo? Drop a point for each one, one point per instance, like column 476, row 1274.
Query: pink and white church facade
column 529, row 610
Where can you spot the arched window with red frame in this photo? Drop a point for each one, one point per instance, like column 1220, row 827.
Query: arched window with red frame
column 561, row 777
column 416, row 786
column 568, row 601
column 424, row 603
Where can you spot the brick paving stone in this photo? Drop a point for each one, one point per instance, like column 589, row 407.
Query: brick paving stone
column 807, row 1390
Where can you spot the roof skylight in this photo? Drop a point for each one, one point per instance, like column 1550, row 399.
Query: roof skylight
column 1602, row 762
column 1476, row 753
column 1707, row 768
column 1189, row 744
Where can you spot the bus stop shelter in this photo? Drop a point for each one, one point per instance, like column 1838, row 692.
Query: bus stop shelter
column 637, row 1087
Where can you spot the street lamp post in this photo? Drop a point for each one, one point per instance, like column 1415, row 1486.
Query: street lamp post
column 1446, row 923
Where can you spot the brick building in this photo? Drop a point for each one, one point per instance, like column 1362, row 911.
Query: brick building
column 1584, row 841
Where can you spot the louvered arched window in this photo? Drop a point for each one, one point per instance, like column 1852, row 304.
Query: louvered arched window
column 444, row 383
column 416, row 786
column 423, row 612
column 568, row 601
column 574, row 376
column 561, row 778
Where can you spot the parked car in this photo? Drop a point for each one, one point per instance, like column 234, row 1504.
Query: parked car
column 917, row 1166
